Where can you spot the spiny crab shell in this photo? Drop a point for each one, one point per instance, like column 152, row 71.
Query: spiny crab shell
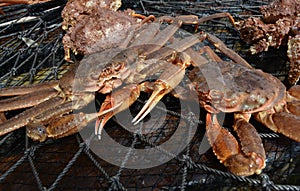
column 279, row 25
column 89, row 28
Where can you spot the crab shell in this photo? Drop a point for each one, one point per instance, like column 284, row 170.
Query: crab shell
column 229, row 87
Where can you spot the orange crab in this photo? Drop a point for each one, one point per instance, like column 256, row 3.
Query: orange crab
column 155, row 50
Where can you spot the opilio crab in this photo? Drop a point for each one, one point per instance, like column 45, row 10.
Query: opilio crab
column 152, row 50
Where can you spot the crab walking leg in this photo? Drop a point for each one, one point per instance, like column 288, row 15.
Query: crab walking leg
column 294, row 108
column 158, row 38
column 293, row 100
column 22, row 1
column 55, row 121
column 60, row 126
column 25, row 117
column 227, row 51
column 37, row 130
column 21, row 90
column 282, row 122
column 69, row 124
column 228, row 151
column 284, row 118
column 28, row 100
column 163, row 36
column 293, row 94
column 178, row 45
column 148, row 32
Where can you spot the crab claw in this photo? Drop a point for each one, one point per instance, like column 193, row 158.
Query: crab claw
column 244, row 158
column 168, row 80
column 115, row 103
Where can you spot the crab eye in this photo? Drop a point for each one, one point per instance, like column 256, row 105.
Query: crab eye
column 106, row 72
column 40, row 130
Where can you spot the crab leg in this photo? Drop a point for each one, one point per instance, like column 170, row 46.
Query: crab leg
column 21, row 90
column 53, row 123
column 285, row 117
column 27, row 96
column 60, row 126
column 27, row 100
column 227, row 51
column 293, row 100
column 25, row 117
column 243, row 161
column 44, row 127
column 146, row 34
column 177, row 46
column 282, row 122
column 116, row 102
column 168, row 80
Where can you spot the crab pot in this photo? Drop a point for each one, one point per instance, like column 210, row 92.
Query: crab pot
column 31, row 52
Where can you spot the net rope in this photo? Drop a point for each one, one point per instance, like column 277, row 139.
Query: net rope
column 31, row 52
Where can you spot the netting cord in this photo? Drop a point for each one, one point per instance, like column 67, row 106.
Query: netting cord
column 185, row 168
column 115, row 183
column 27, row 152
column 68, row 166
column 264, row 182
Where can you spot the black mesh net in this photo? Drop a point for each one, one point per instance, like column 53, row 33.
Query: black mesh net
column 32, row 52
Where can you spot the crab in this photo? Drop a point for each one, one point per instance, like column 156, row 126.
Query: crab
column 151, row 50
column 123, row 73
column 278, row 26
column 84, row 35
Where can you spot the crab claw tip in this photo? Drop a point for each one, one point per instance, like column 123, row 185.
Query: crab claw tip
column 153, row 100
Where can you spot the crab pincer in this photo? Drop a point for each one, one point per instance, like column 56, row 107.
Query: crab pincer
column 114, row 103
column 168, row 80
column 244, row 160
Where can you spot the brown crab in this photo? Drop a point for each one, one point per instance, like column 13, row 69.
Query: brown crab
column 121, row 71
column 152, row 50
column 84, row 35
column 279, row 25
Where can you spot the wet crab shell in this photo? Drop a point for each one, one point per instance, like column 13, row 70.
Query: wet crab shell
column 229, row 87
column 88, row 36
column 90, row 24
column 75, row 9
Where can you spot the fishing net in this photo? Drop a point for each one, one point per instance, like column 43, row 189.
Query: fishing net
column 31, row 51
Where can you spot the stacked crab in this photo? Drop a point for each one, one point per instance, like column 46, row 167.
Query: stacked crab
column 123, row 69
column 279, row 25
column 84, row 33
